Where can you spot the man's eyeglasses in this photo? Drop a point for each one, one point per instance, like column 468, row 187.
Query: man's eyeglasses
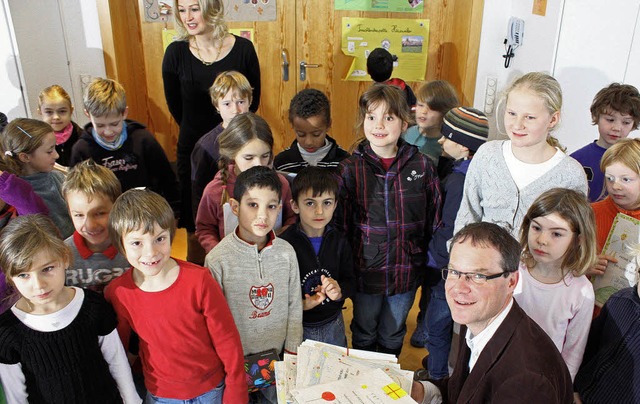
column 477, row 278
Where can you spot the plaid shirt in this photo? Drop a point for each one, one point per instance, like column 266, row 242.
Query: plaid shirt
column 389, row 216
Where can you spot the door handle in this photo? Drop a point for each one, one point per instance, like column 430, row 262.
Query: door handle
column 285, row 65
column 303, row 69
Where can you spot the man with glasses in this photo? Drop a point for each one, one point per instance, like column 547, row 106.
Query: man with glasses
column 505, row 356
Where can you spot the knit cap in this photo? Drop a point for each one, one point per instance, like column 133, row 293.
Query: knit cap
column 466, row 126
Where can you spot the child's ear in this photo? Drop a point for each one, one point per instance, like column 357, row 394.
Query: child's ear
column 235, row 206
column 294, row 207
column 126, row 112
column 555, row 118
column 86, row 113
column 24, row 157
column 405, row 125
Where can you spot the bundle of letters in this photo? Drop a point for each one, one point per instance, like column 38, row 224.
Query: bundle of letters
column 324, row 373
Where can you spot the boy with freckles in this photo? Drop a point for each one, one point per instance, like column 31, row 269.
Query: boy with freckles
column 258, row 272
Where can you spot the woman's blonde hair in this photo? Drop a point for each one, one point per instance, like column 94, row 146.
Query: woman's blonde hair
column 548, row 89
column 26, row 236
column 574, row 208
column 22, row 135
column 242, row 129
column 213, row 15
column 393, row 97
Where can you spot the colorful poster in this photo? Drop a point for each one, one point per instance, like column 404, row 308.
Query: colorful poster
column 622, row 243
column 406, row 6
column 406, row 39
column 168, row 35
column 250, row 10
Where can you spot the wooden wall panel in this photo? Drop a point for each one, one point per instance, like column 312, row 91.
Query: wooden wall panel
column 309, row 30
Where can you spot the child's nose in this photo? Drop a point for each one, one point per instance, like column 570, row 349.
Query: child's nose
column 38, row 282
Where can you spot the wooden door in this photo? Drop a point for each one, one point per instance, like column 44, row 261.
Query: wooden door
column 308, row 30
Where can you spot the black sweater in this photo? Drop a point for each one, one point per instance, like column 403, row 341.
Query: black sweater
column 64, row 366
column 290, row 160
column 333, row 260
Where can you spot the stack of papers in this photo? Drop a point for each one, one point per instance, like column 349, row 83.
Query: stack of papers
column 324, row 373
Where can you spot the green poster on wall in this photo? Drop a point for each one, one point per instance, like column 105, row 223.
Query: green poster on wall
column 404, row 6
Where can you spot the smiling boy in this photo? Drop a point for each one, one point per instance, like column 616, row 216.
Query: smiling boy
column 90, row 191
column 189, row 347
column 258, row 272
column 310, row 117
column 616, row 111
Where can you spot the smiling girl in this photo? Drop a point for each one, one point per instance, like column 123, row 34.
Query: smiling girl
column 246, row 142
column 389, row 204
column 506, row 176
column 55, row 108
column 558, row 244
column 28, row 150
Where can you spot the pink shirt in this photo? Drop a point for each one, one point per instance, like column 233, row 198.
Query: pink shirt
column 563, row 310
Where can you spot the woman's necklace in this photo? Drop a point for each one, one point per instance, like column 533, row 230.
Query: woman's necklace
column 218, row 50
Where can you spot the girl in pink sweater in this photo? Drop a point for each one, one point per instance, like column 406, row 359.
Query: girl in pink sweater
column 558, row 240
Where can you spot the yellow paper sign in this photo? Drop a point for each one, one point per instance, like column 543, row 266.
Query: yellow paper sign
column 406, row 39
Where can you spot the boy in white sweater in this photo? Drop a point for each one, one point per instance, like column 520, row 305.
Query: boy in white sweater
column 258, row 272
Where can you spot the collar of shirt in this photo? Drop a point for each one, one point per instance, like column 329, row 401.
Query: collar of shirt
column 477, row 343
column 85, row 252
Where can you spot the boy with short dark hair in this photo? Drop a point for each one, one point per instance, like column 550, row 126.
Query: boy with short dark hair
column 122, row 145
column 324, row 256
column 616, row 111
column 90, row 191
column 189, row 346
column 310, row 117
column 258, row 272
column 380, row 67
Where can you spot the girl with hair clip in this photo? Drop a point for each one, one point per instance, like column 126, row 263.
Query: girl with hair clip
column 58, row 344
column 558, row 240
column 204, row 48
column 246, row 142
column 55, row 108
column 621, row 167
column 390, row 203
column 28, row 150
column 506, row 176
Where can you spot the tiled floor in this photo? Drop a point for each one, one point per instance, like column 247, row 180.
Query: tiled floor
column 410, row 358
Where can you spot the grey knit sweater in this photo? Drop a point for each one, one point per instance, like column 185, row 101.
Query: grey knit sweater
column 491, row 195
column 262, row 290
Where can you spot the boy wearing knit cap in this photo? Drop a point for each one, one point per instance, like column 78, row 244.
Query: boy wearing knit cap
column 464, row 130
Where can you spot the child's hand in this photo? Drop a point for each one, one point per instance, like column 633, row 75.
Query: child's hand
column 601, row 264
column 331, row 288
column 309, row 302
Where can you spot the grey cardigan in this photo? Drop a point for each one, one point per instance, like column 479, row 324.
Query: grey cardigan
column 491, row 195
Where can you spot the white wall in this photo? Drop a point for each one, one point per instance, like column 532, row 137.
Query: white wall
column 11, row 101
column 55, row 46
column 536, row 53
column 585, row 44
column 595, row 45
